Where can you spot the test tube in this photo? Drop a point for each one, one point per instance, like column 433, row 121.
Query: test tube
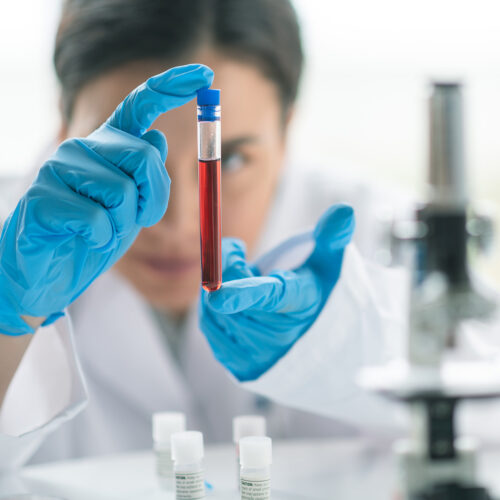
column 187, row 454
column 255, row 475
column 164, row 425
column 246, row 426
column 209, row 173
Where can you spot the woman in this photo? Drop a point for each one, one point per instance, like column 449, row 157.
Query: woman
column 135, row 325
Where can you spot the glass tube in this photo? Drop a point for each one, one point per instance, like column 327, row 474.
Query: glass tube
column 209, row 177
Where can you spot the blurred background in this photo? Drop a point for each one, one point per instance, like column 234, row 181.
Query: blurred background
column 363, row 99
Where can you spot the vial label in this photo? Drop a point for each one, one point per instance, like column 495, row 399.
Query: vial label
column 189, row 485
column 164, row 464
column 254, row 489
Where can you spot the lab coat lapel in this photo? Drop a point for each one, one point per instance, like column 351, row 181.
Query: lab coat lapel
column 121, row 347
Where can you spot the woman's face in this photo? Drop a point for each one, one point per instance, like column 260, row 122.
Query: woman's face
column 163, row 264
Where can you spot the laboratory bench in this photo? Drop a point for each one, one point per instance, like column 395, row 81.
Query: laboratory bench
column 340, row 469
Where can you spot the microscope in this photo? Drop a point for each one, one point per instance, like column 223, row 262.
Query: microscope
column 435, row 463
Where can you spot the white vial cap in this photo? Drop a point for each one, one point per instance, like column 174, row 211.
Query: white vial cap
column 256, row 452
column 187, row 447
column 167, row 423
column 248, row 425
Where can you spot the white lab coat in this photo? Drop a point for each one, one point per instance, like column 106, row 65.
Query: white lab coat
column 108, row 354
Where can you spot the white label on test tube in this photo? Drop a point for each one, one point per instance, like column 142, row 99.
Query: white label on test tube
column 253, row 489
column 209, row 144
column 189, row 485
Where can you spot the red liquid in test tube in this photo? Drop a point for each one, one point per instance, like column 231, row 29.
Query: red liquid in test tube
column 209, row 177
column 210, row 224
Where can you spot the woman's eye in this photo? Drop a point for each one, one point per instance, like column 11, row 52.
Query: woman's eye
column 232, row 162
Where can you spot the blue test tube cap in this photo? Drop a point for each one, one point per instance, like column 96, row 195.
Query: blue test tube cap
column 208, row 97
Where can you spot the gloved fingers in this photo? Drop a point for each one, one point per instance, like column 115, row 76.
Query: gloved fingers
column 124, row 142
column 264, row 332
column 85, row 175
column 332, row 234
column 141, row 161
column 60, row 212
column 257, row 342
column 157, row 95
column 335, row 228
column 158, row 140
column 280, row 292
column 220, row 337
column 214, row 330
column 153, row 183
column 234, row 263
column 249, row 343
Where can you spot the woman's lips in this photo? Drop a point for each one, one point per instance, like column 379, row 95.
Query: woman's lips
column 171, row 265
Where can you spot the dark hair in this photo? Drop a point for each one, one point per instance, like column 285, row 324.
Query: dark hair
column 95, row 36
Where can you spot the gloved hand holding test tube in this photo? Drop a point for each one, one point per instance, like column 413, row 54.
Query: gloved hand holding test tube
column 89, row 202
column 258, row 314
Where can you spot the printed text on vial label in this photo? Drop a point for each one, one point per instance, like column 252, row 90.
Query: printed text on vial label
column 189, row 486
column 255, row 490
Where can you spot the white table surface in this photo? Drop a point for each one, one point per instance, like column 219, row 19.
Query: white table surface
column 302, row 470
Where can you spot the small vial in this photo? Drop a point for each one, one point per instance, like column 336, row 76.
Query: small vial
column 187, row 454
column 245, row 426
column 255, row 473
column 164, row 425
column 209, row 173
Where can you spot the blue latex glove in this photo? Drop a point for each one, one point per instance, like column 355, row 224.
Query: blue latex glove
column 89, row 202
column 253, row 320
